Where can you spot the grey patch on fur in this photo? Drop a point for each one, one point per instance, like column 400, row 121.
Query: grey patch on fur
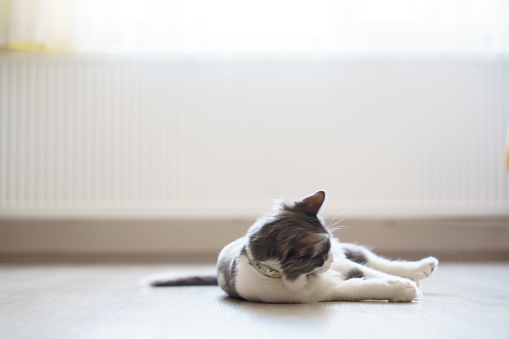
column 190, row 281
column 276, row 236
column 354, row 273
column 355, row 256
column 228, row 269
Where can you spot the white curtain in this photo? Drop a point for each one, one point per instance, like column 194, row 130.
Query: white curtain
column 262, row 26
column 37, row 25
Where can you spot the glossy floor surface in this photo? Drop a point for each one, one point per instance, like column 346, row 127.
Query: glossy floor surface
column 463, row 300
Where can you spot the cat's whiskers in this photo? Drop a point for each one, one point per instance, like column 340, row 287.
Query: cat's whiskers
column 334, row 224
column 338, row 227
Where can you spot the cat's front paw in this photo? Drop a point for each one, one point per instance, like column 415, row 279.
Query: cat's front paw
column 404, row 290
column 424, row 268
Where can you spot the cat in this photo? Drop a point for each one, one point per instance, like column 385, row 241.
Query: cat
column 290, row 256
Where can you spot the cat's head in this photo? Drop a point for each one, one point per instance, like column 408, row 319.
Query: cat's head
column 293, row 235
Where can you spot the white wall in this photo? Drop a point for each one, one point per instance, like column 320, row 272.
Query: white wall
column 120, row 136
column 171, row 158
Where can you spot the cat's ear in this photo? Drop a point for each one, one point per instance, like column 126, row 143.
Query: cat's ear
column 312, row 204
column 311, row 244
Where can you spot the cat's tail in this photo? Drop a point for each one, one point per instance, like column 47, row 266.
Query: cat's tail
column 203, row 280
column 183, row 276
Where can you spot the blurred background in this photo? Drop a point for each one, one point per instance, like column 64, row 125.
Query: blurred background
column 159, row 130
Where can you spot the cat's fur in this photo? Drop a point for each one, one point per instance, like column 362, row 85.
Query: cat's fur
column 290, row 256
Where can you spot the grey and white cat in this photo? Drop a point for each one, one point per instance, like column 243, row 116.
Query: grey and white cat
column 290, row 256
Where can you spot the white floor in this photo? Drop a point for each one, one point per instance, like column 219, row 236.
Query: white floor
column 106, row 301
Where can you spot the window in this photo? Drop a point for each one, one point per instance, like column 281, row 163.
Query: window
column 257, row 27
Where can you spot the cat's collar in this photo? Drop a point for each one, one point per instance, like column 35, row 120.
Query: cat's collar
column 264, row 269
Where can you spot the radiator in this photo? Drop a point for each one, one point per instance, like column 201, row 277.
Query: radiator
column 120, row 136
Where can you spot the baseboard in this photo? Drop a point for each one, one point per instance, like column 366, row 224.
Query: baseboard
column 201, row 258
column 201, row 240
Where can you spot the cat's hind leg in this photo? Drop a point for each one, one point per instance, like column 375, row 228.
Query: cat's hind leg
column 414, row 270
column 355, row 282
